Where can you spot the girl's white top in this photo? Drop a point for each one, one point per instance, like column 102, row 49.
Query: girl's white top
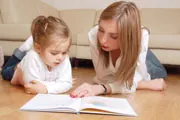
column 58, row 80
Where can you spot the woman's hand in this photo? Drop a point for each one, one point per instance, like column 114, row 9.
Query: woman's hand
column 73, row 82
column 35, row 87
column 87, row 90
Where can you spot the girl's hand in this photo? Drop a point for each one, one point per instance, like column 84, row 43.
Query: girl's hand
column 87, row 90
column 35, row 87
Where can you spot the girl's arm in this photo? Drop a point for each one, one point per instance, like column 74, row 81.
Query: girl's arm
column 32, row 66
column 63, row 81
column 27, row 74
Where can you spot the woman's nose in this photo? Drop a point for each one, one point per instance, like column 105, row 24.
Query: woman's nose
column 104, row 39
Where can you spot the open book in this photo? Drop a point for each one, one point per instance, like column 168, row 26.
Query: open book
column 64, row 103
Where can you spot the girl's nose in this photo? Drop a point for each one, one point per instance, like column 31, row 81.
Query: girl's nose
column 60, row 57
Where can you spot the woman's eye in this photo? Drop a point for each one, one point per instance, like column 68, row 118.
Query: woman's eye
column 114, row 37
column 64, row 53
column 100, row 30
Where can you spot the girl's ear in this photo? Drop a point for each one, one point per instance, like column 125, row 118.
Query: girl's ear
column 37, row 47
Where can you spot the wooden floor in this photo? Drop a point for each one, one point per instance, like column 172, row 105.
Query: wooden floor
column 149, row 105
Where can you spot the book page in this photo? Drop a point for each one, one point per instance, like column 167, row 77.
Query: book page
column 107, row 105
column 54, row 103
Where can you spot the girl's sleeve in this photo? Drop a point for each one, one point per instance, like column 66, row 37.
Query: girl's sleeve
column 63, row 81
column 30, row 67
column 141, row 69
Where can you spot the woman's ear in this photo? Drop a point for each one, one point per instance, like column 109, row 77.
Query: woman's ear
column 37, row 47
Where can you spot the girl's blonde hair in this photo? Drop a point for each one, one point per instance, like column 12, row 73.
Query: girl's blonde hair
column 44, row 29
column 129, row 38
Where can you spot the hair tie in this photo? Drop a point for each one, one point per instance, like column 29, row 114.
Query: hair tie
column 46, row 25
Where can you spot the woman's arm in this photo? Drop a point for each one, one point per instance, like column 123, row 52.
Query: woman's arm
column 86, row 89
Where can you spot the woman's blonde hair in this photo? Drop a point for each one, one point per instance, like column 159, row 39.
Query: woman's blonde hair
column 44, row 29
column 129, row 34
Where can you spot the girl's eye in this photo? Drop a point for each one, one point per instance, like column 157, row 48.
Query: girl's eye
column 54, row 53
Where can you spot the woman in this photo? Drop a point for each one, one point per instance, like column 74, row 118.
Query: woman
column 119, row 48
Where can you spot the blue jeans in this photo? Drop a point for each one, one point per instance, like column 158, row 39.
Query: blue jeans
column 154, row 67
column 9, row 66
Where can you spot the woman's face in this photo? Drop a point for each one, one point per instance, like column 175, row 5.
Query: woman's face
column 108, row 35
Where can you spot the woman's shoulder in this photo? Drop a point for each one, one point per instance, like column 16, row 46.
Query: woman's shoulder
column 145, row 31
column 145, row 37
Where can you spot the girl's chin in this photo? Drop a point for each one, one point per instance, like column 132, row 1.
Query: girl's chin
column 55, row 64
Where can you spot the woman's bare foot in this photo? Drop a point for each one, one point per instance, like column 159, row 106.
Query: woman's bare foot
column 157, row 84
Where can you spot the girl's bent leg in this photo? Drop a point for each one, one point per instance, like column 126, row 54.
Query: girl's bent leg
column 17, row 78
column 9, row 66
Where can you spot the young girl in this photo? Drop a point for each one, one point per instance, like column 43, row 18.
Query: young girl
column 122, row 61
column 46, row 67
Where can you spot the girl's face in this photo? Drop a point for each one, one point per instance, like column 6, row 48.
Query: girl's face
column 55, row 53
column 108, row 35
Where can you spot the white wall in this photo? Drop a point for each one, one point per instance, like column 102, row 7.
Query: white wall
column 99, row 4
column 157, row 3
column 76, row 4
